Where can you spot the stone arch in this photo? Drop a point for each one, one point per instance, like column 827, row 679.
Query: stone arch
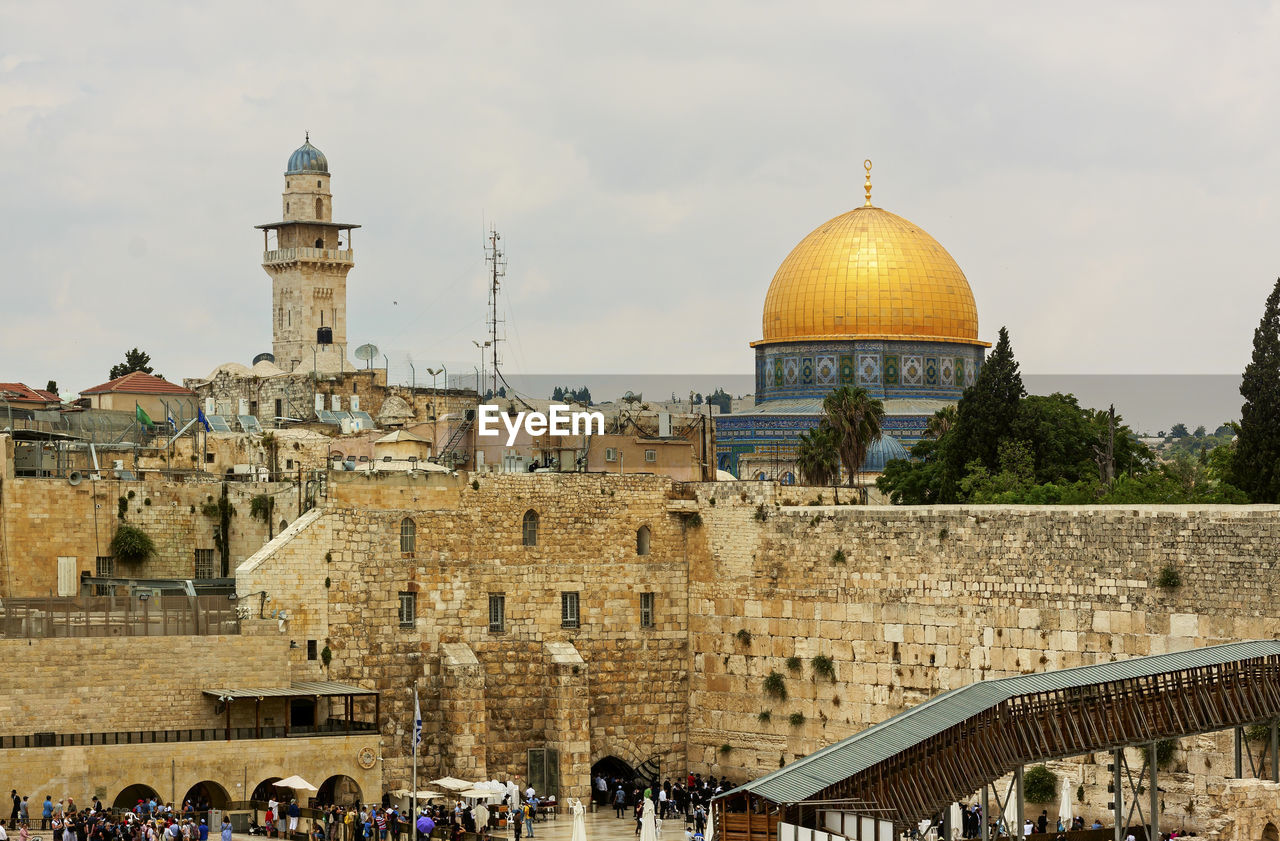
column 319, row 208
column 529, row 528
column 265, row 791
column 620, row 747
column 643, row 539
column 339, row 789
column 1270, row 833
column 131, row 794
column 206, row 795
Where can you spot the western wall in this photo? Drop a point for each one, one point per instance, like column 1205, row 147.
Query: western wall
column 743, row 577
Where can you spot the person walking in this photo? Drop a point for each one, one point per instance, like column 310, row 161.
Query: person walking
column 226, row 828
column 46, row 812
column 17, row 806
column 619, row 800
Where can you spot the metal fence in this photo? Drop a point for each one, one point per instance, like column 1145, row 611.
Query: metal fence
column 333, row 727
column 116, row 616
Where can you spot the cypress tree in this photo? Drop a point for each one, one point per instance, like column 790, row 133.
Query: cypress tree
column 1257, row 459
column 986, row 414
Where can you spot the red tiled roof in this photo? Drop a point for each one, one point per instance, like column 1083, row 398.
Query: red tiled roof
column 138, row 383
column 22, row 393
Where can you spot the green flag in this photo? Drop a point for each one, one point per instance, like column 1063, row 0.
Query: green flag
column 142, row 416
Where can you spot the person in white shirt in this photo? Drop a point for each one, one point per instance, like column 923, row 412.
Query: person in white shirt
column 1028, row 828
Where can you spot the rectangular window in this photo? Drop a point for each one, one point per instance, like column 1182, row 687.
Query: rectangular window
column 408, row 609
column 105, row 568
column 610, row 454
column 204, row 563
column 569, row 610
column 646, row 610
column 650, row 455
column 312, row 651
column 497, row 613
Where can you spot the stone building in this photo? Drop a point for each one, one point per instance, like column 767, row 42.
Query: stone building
column 868, row 299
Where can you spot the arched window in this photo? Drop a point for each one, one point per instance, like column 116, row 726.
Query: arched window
column 319, row 242
column 408, row 536
column 642, row 540
column 761, row 476
column 319, row 208
column 788, row 478
column 284, row 524
column 531, row 528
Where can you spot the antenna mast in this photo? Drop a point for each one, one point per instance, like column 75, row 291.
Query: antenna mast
column 497, row 260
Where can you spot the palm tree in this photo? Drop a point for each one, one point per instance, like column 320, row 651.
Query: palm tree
column 818, row 458
column 941, row 422
column 855, row 416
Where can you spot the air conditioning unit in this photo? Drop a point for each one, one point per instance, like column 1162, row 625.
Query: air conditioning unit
column 355, row 403
column 319, row 403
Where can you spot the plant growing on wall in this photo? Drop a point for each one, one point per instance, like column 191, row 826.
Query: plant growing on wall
column 793, row 663
column 122, row 507
column 838, row 557
column 764, row 716
column 796, row 719
column 823, row 667
column 1164, row 752
column 1168, row 577
column 761, row 513
column 776, row 686
column 326, row 656
column 132, row 545
column 1040, row 785
column 263, row 507
column 726, row 749
column 744, row 636
column 221, row 510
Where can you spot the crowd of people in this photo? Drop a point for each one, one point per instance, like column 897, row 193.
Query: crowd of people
column 689, row 799
column 148, row 820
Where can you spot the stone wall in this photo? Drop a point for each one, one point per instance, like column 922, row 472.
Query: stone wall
column 44, row 519
column 107, row 684
column 631, row 688
column 910, row 602
column 170, row 770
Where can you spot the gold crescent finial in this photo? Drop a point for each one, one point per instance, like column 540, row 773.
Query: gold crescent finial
column 867, row 186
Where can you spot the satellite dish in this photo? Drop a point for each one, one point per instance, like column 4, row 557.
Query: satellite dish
column 265, row 357
column 366, row 352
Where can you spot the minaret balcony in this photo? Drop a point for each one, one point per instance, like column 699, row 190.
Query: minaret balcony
column 282, row 256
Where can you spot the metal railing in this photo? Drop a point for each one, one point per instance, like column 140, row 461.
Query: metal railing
column 290, row 255
column 112, row 616
column 333, row 727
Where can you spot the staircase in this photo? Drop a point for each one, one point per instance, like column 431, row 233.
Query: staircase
column 450, row 452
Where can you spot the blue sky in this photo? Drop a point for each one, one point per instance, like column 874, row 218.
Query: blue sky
column 1105, row 174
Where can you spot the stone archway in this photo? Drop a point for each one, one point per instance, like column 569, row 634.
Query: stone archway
column 339, row 789
column 266, row 791
column 1270, row 833
column 130, row 795
column 206, row 795
column 615, row 772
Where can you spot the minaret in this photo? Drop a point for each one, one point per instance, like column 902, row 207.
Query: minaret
column 308, row 262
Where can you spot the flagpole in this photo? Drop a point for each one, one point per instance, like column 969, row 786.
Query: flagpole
column 417, row 735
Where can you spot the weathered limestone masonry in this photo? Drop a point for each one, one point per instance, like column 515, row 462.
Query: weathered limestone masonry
column 908, row 602
column 43, row 519
column 628, row 692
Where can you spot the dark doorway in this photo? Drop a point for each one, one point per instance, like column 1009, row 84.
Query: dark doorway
column 129, row 797
column 340, row 790
column 616, row 773
column 266, row 791
column 302, row 713
column 206, row 795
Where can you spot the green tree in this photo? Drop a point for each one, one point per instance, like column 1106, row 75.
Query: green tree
column 986, row 414
column 1178, row 430
column 855, row 417
column 818, row 457
column 918, row 480
column 134, row 360
column 1257, row 461
column 52, row 386
column 721, row 398
column 941, row 422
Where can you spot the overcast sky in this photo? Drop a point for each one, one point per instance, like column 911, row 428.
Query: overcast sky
column 1105, row 174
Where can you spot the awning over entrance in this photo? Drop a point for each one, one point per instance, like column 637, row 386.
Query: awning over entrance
column 297, row 689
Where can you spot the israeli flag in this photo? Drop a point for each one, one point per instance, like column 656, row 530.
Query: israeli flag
column 417, row 720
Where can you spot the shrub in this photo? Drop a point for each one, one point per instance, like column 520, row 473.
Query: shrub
column 130, row 494
column 1168, row 577
column 744, row 636
column 765, row 716
column 132, row 545
column 122, row 507
column 146, row 501
column 796, row 719
column 793, row 663
column 726, row 749
column 1040, row 785
column 326, row 656
column 1164, row 752
column 776, row 686
column 693, row 519
column 1080, row 793
column 823, row 667
column 261, row 507
column 328, row 582
column 761, row 513
column 838, row 557
column 475, row 484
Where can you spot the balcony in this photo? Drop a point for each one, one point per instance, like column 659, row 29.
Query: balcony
column 282, row 256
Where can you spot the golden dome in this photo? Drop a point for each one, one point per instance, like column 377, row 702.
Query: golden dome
column 869, row 274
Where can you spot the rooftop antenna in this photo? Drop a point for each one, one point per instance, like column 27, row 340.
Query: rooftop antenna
column 497, row 260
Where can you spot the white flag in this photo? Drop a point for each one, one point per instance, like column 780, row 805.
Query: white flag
column 417, row 720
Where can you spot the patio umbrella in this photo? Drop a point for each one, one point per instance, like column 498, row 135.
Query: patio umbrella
column 452, row 783
column 710, row 833
column 1064, row 808
column 296, row 783
column 426, row 825
column 956, row 821
column 1010, row 816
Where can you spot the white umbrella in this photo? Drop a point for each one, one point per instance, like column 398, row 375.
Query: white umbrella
column 710, row 832
column 956, row 820
column 452, row 783
column 1064, row 808
column 296, row 783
